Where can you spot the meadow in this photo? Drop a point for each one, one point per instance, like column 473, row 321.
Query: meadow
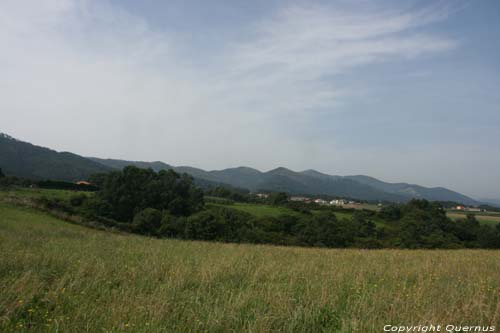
column 262, row 210
column 60, row 277
column 32, row 193
column 483, row 218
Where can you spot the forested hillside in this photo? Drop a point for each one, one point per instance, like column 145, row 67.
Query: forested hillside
column 23, row 159
column 309, row 182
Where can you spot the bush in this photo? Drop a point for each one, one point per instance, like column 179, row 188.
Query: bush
column 217, row 200
column 172, row 226
column 148, row 221
column 232, row 194
column 77, row 199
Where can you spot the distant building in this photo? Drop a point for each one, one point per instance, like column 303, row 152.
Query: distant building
column 82, row 182
column 337, row 202
column 262, row 195
column 320, row 201
column 468, row 209
column 302, row 199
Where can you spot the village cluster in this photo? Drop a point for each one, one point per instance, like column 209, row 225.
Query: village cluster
column 335, row 202
column 319, row 201
column 468, row 209
column 351, row 203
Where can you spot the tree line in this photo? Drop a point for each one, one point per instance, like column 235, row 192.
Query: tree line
column 168, row 204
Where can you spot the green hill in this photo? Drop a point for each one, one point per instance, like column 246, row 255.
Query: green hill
column 22, row 159
column 415, row 191
column 120, row 164
column 309, row 182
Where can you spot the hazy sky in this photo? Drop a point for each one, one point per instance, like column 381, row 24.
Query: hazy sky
column 400, row 90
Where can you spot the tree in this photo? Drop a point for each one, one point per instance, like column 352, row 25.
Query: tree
column 148, row 221
column 217, row 223
column 204, row 225
column 390, row 213
column 424, row 225
column 366, row 228
column 172, row 226
column 1, row 173
column 278, row 198
column 132, row 190
column 326, row 230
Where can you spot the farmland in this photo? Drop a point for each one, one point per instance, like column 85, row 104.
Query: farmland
column 259, row 210
column 21, row 192
column 483, row 218
column 57, row 276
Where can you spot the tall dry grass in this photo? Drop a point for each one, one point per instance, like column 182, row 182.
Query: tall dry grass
column 60, row 277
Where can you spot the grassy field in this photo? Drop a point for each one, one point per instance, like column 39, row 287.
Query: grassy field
column 38, row 193
column 482, row 218
column 260, row 210
column 59, row 277
column 362, row 206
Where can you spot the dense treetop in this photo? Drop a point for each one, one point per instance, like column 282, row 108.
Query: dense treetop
column 124, row 193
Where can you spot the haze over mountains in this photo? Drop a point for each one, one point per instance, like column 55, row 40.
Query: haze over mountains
column 22, row 159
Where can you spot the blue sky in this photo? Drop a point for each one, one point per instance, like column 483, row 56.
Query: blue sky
column 399, row 90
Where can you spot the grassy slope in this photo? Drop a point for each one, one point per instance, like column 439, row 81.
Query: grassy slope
column 259, row 210
column 483, row 218
column 275, row 211
column 58, row 276
column 38, row 193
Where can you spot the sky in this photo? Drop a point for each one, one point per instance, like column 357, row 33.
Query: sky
column 398, row 90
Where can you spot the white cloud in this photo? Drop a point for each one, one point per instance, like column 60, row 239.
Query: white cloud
column 88, row 77
column 298, row 47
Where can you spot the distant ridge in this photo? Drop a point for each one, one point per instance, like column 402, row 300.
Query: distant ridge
column 491, row 201
column 312, row 182
column 120, row 164
column 415, row 191
column 23, row 159
column 26, row 160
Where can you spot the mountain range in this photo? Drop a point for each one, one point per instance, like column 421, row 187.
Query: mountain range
column 23, row 159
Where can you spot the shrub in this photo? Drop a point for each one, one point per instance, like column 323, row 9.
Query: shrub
column 148, row 221
column 77, row 199
column 172, row 226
